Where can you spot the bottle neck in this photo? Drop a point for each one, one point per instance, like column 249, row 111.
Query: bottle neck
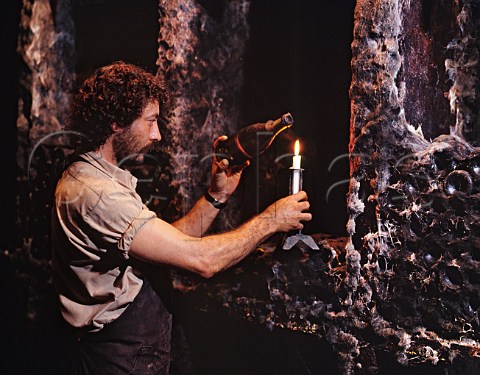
column 280, row 124
column 276, row 126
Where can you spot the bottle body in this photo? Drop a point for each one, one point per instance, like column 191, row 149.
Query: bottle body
column 251, row 141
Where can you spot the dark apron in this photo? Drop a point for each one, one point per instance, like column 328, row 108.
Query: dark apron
column 138, row 342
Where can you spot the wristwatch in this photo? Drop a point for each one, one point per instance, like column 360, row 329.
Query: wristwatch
column 215, row 203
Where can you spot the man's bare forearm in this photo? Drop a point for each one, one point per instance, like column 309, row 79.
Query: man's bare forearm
column 197, row 221
column 160, row 242
column 221, row 251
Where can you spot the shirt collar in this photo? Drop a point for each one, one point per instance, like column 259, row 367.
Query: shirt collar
column 122, row 176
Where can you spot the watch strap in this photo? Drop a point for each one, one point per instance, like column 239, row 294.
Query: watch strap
column 215, row 203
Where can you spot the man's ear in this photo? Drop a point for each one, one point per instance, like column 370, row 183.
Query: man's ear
column 115, row 127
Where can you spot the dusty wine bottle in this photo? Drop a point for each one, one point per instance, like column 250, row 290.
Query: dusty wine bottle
column 251, row 141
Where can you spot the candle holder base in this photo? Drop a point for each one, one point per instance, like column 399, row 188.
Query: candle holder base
column 291, row 241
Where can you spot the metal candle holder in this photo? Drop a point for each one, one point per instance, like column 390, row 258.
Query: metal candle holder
column 296, row 184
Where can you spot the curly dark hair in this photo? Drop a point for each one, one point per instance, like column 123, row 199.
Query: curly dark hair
column 116, row 93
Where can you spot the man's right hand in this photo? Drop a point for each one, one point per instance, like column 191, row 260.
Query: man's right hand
column 288, row 213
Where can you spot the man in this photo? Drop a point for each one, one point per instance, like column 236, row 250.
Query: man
column 99, row 223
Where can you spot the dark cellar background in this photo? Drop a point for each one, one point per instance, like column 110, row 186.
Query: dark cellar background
column 297, row 60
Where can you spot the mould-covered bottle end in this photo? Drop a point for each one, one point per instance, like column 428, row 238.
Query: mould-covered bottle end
column 287, row 119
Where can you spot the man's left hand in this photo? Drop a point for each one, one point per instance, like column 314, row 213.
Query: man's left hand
column 224, row 181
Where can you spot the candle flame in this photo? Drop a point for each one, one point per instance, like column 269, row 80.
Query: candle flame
column 297, row 147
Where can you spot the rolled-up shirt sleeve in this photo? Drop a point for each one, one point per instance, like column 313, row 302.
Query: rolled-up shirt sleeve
column 143, row 217
column 117, row 217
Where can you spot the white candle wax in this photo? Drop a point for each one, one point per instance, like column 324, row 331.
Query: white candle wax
column 295, row 181
column 297, row 160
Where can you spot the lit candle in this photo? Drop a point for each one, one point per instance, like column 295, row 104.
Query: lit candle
column 297, row 159
column 296, row 169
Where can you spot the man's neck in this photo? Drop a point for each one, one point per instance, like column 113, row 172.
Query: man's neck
column 106, row 152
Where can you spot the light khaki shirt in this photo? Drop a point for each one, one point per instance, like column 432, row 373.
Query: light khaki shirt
column 96, row 215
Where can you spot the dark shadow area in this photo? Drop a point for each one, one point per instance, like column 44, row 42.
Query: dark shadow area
column 9, row 68
column 224, row 345
column 111, row 30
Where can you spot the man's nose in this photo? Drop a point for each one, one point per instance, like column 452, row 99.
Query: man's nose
column 155, row 133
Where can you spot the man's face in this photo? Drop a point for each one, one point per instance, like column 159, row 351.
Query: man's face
column 130, row 144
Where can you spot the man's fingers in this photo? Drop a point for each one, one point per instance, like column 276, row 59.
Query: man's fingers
column 304, row 205
column 300, row 196
column 306, row 216
column 245, row 165
column 219, row 139
column 222, row 166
